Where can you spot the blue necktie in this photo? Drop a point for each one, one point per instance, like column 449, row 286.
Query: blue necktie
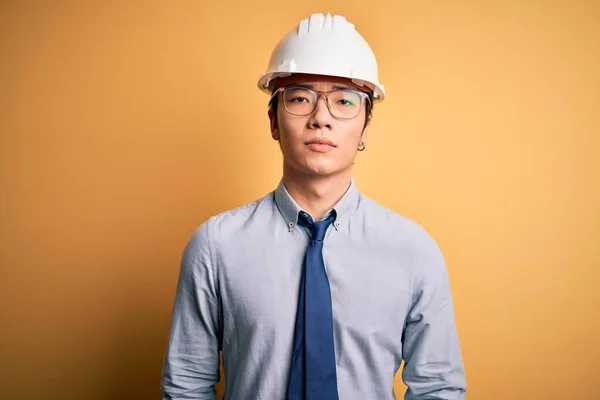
column 313, row 375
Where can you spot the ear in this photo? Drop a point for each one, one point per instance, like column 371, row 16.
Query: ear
column 363, row 136
column 274, row 127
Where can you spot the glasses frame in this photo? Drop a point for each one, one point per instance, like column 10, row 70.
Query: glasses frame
column 319, row 93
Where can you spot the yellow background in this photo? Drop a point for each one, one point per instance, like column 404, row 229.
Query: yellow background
column 125, row 125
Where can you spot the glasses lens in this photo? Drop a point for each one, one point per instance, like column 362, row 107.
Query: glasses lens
column 345, row 103
column 299, row 101
column 342, row 103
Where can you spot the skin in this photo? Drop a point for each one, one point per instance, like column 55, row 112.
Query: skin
column 317, row 175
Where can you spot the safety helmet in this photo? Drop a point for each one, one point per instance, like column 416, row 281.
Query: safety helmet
column 324, row 45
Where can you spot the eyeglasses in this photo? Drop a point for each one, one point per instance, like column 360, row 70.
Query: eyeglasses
column 341, row 103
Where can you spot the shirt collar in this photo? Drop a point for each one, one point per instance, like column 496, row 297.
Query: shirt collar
column 289, row 209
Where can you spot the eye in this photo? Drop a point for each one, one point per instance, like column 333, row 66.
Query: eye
column 298, row 99
column 299, row 96
column 345, row 98
column 346, row 102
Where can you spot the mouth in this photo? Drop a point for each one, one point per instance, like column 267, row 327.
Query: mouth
column 320, row 145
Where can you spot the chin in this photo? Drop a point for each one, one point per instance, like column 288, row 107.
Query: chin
column 322, row 170
column 320, row 166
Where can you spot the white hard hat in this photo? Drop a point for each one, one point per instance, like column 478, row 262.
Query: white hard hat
column 324, row 45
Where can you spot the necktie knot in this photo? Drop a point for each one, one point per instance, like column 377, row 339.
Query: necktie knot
column 318, row 228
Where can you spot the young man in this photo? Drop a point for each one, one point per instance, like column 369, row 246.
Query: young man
column 315, row 310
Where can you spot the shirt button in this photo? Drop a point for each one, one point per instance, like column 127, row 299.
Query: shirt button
column 291, row 224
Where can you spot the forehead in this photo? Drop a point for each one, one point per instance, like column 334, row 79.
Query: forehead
column 317, row 82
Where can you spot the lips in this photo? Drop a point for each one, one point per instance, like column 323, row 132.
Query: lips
column 320, row 141
column 320, row 146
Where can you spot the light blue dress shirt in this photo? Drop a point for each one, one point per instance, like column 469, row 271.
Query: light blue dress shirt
column 238, row 293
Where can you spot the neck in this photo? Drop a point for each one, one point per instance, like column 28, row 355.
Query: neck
column 316, row 194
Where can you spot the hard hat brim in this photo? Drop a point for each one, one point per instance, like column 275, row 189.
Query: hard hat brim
column 266, row 82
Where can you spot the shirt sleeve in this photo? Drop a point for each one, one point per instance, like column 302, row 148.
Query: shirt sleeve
column 433, row 366
column 191, row 363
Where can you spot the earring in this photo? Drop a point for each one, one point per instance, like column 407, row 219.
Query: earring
column 361, row 146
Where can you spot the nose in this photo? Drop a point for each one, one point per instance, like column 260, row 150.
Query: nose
column 321, row 117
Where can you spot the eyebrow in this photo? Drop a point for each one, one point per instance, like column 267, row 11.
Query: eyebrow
column 335, row 87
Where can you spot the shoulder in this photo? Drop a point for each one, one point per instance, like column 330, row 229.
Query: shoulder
column 230, row 222
column 379, row 216
column 400, row 229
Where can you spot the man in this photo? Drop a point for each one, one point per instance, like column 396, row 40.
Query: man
column 315, row 291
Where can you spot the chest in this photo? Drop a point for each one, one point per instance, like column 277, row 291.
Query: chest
column 369, row 283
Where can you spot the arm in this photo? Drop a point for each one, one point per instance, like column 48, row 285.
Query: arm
column 433, row 363
column 191, row 364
